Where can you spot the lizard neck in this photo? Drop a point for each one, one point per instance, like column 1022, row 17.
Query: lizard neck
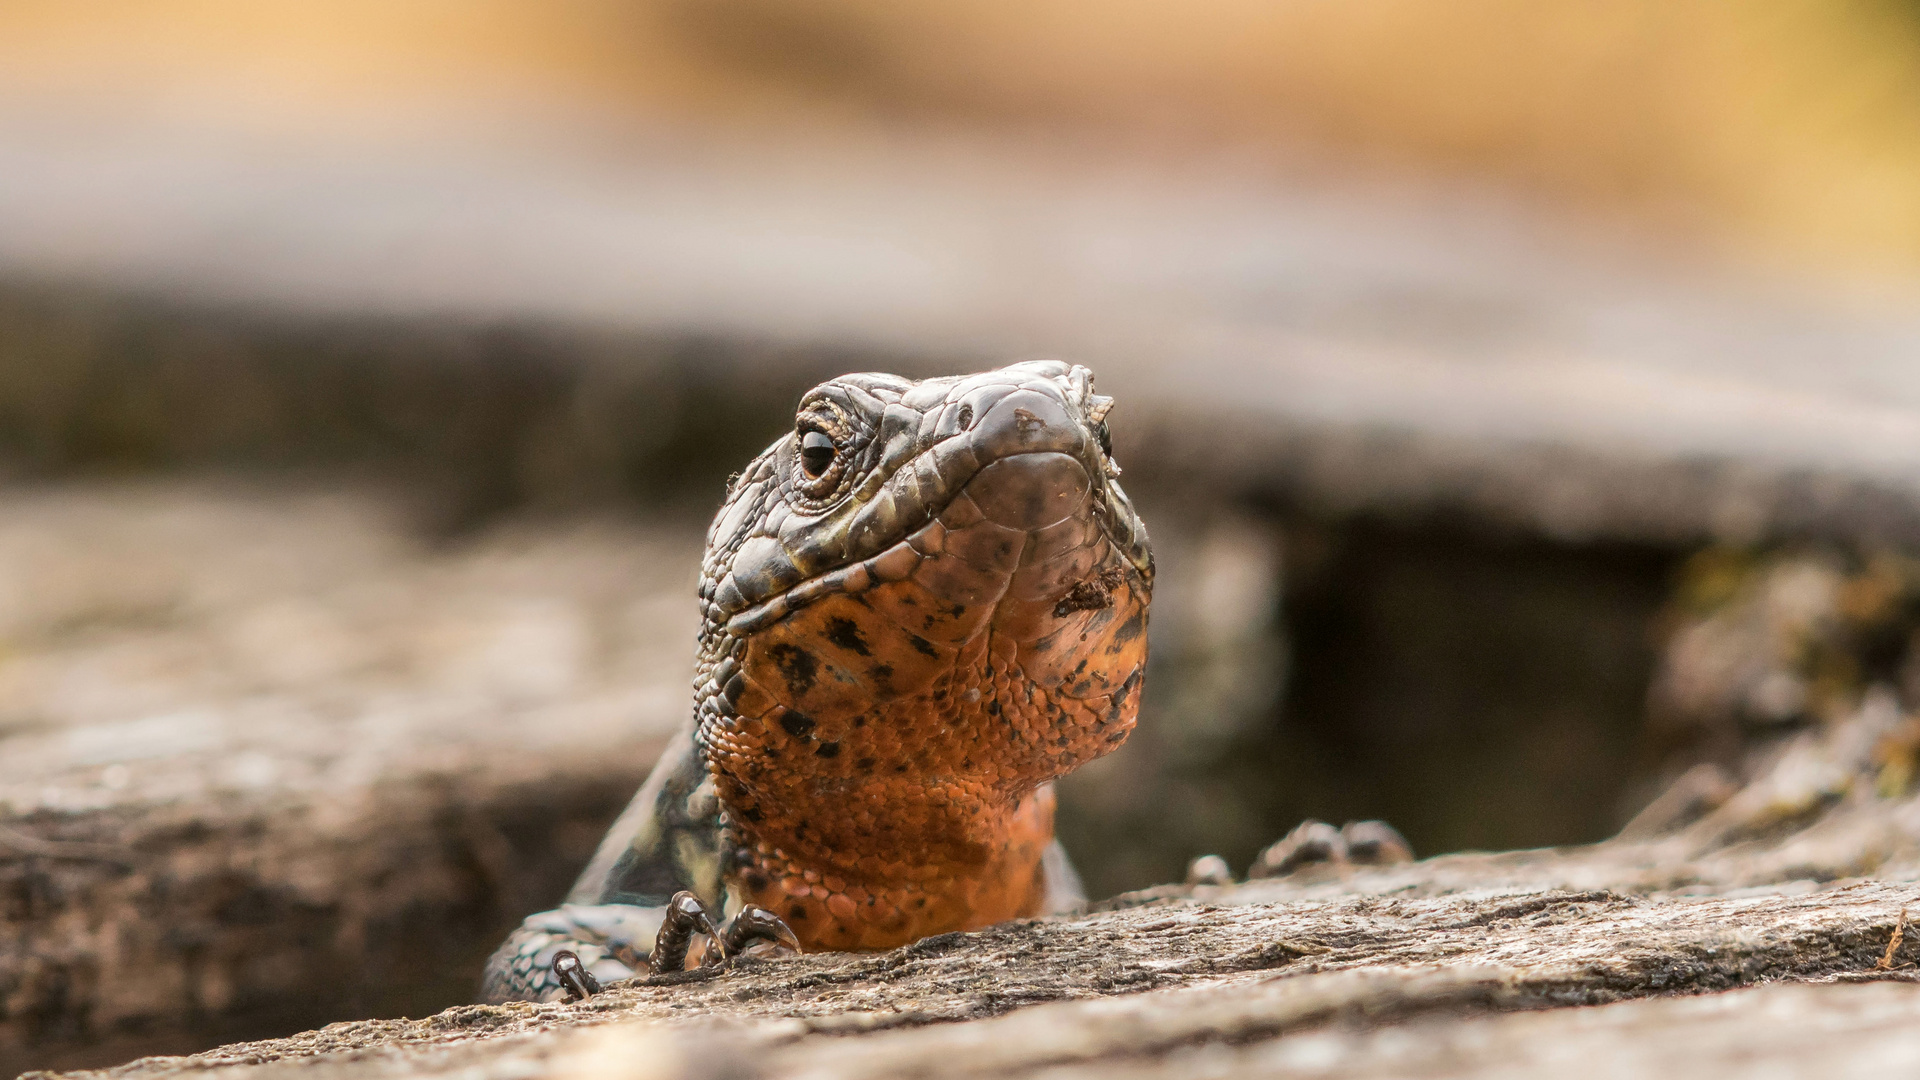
column 872, row 820
column 884, row 757
column 840, row 894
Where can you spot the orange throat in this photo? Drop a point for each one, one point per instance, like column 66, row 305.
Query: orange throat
column 874, row 800
column 908, row 899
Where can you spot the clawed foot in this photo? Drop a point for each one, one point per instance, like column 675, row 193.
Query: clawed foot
column 1361, row 843
column 756, row 923
column 1358, row 843
column 574, row 977
column 1209, row 870
column 684, row 917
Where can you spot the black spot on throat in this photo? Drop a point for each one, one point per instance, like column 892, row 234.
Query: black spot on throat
column 797, row 666
column 846, row 634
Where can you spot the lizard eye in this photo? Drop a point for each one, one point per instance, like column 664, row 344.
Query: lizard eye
column 816, row 452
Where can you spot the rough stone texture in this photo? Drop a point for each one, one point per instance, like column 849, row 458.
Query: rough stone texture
column 1226, row 981
column 272, row 759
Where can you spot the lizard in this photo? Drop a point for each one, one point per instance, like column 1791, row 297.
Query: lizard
column 920, row 606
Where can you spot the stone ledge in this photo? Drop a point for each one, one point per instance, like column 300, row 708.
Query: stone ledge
column 1237, row 979
column 271, row 759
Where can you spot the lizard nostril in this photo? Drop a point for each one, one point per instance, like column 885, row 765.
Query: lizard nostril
column 966, row 417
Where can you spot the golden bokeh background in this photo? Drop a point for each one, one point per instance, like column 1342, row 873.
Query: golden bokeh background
column 1787, row 129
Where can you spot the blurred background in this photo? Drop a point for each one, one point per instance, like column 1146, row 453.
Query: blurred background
column 368, row 373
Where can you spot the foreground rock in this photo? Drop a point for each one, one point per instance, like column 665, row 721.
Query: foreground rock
column 1406, row 972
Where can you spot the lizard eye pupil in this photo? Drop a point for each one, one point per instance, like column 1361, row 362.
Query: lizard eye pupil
column 816, row 452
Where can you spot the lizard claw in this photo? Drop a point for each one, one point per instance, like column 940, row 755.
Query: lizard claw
column 755, row 923
column 1209, row 870
column 1309, row 842
column 685, row 916
column 1375, row 843
column 574, row 976
column 1358, row 843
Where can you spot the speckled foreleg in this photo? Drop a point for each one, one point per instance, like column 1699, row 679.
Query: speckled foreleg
column 667, row 840
column 611, row 941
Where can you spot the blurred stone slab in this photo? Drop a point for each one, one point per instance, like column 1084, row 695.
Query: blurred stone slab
column 269, row 758
column 1341, row 344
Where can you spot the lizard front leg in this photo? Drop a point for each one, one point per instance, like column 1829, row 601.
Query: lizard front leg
column 608, row 942
column 571, row 952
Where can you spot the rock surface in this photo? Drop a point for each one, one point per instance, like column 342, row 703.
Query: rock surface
column 270, row 759
column 1744, row 927
column 1406, row 972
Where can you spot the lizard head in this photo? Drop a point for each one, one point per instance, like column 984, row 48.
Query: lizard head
column 877, row 465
